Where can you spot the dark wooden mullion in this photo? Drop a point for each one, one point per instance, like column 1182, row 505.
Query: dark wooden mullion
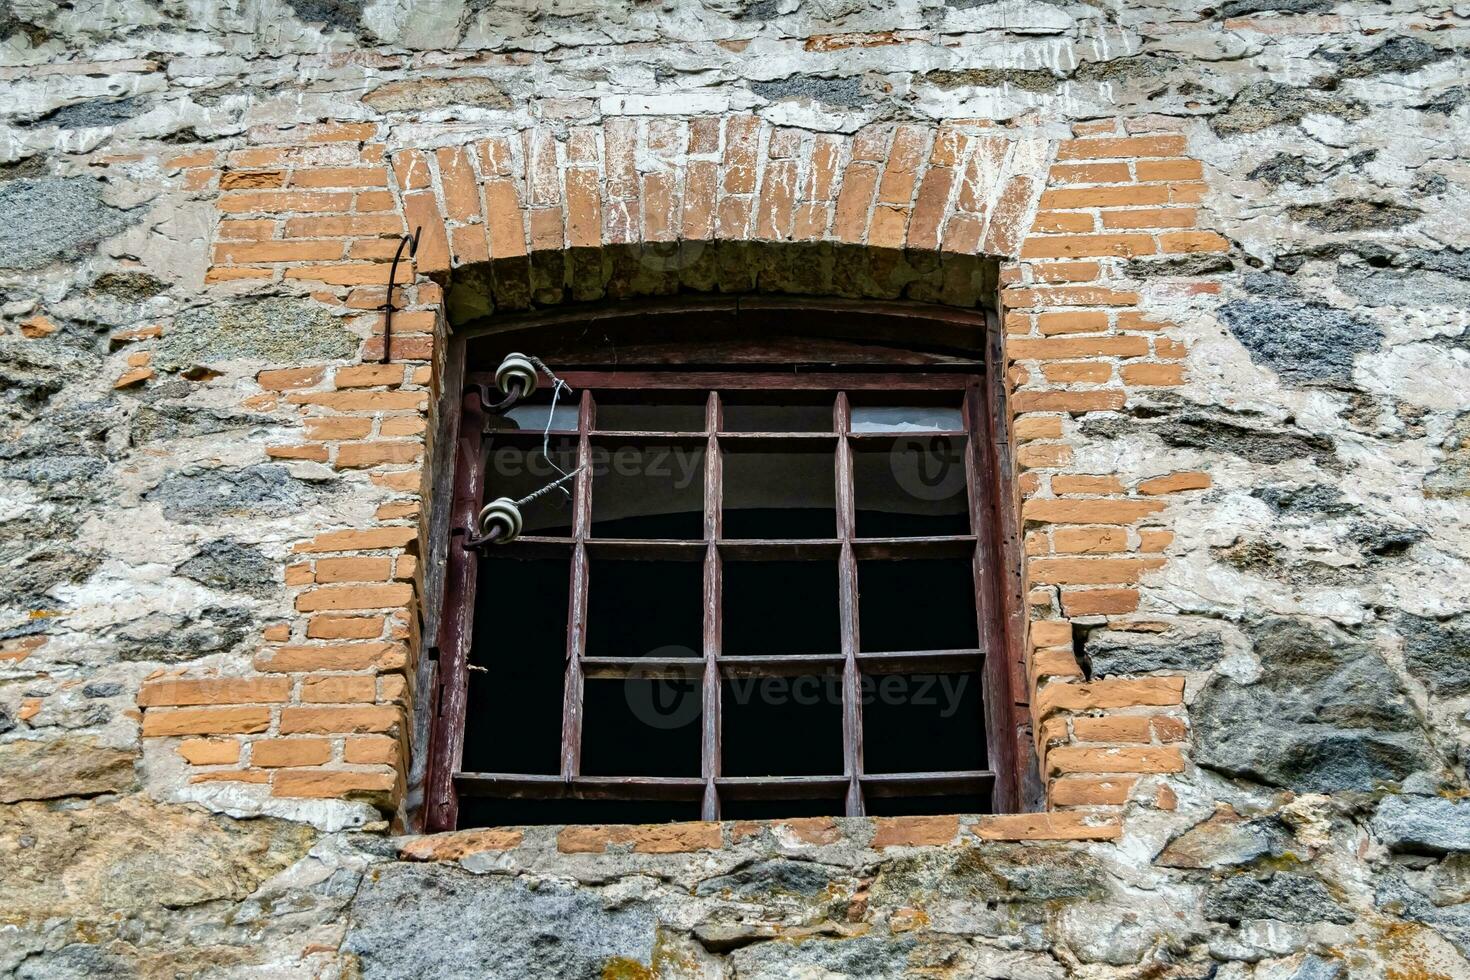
column 571, row 715
column 1022, row 784
column 713, row 606
column 852, row 719
column 995, row 691
column 456, row 624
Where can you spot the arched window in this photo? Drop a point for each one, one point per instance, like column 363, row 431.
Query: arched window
column 777, row 574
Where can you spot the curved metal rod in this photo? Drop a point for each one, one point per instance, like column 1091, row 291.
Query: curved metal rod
column 412, row 241
column 504, row 405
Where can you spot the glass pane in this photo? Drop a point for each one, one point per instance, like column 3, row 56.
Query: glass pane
column 910, row 486
column 645, row 608
column 941, row 712
column 779, row 491
column 781, row 726
column 907, row 418
column 643, row 489
column 641, row 727
column 516, row 468
column 781, row 809
column 917, row 604
column 532, row 418
column 521, row 640
column 780, row 607
column 776, row 411
column 650, row 411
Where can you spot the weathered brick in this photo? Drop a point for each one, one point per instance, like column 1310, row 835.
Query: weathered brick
column 1081, row 791
column 330, row 784
column 338, row 689
column 1175, row 482
column 210, row 751
column 1099, row 602
column 272, row 753
column 375, row 568
column 205, row 721
column 340, row 721
column 1105, row 694
column 214, row 690
column 370, row 539
column 1129, row 146
column 1071, row 759
column 333, row 597
column 1090, row 571
column 1045, row 826
column 339, row 656
column 1067, row 246
column 914, row 831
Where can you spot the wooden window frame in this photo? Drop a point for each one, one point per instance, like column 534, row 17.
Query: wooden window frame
column 993, row 543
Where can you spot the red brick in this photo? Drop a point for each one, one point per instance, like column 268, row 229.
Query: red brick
column 1175, row 482
column 353, row 720
column 205, row 721
column 272, row 753
column 214, row 690
column 914, row 831
column 331, row 784
column 335, row 597
column 1129, row 146
column 1089, row 571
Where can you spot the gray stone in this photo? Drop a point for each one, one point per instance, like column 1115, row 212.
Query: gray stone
column 278, row 330
column 844, row 91
column 1283, row 168
column 1397, row 54
column 1315, row 967
column 33, row 371
column 1221, row 432
column 1423, row 824
column 1268, row 104
column 1312, row 500
column 1223, row 839
column 1025, row 79
column 437, row 93
column 767, row 878
column 173, row 420
column 1123, row 652
column 201, row 495
column 1446, row 102
column 54, row 218
column 232, row 567
column 1355, row 214
column 1326, row 715
column 489, row 926
column 343, row 15
column 862, row 956
column 178, row 638
column 990, row 873
column 1244, row 8
column 77, row 961
column 1281, row 895
column 132, row 287
column 1452, row 477
column 1304, row 343
column 101, row 689
column 1395, row 896
column 96, row 113
column 102, row 863
column 1202, row 264
column 55, row 767
column 1437, row 652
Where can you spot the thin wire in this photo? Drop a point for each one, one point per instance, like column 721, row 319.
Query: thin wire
column 558, row 385
column 551, row 486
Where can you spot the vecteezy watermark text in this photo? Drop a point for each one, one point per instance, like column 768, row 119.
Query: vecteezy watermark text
column 668, row 704
column 678, row 465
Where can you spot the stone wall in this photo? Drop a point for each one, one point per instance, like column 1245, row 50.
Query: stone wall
column 1232, row 261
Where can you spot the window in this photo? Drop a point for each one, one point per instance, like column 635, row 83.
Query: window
column 763, row 594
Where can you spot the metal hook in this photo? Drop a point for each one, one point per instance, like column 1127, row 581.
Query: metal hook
column 412, row 241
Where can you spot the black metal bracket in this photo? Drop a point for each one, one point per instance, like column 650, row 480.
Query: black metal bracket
column 473, row 542
column 493, row 407
column 412, row 241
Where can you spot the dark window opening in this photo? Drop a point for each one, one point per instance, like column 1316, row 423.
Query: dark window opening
column 765, row 594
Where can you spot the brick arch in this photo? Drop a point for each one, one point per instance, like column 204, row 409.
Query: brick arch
column 956, row 188
column 325, row 712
